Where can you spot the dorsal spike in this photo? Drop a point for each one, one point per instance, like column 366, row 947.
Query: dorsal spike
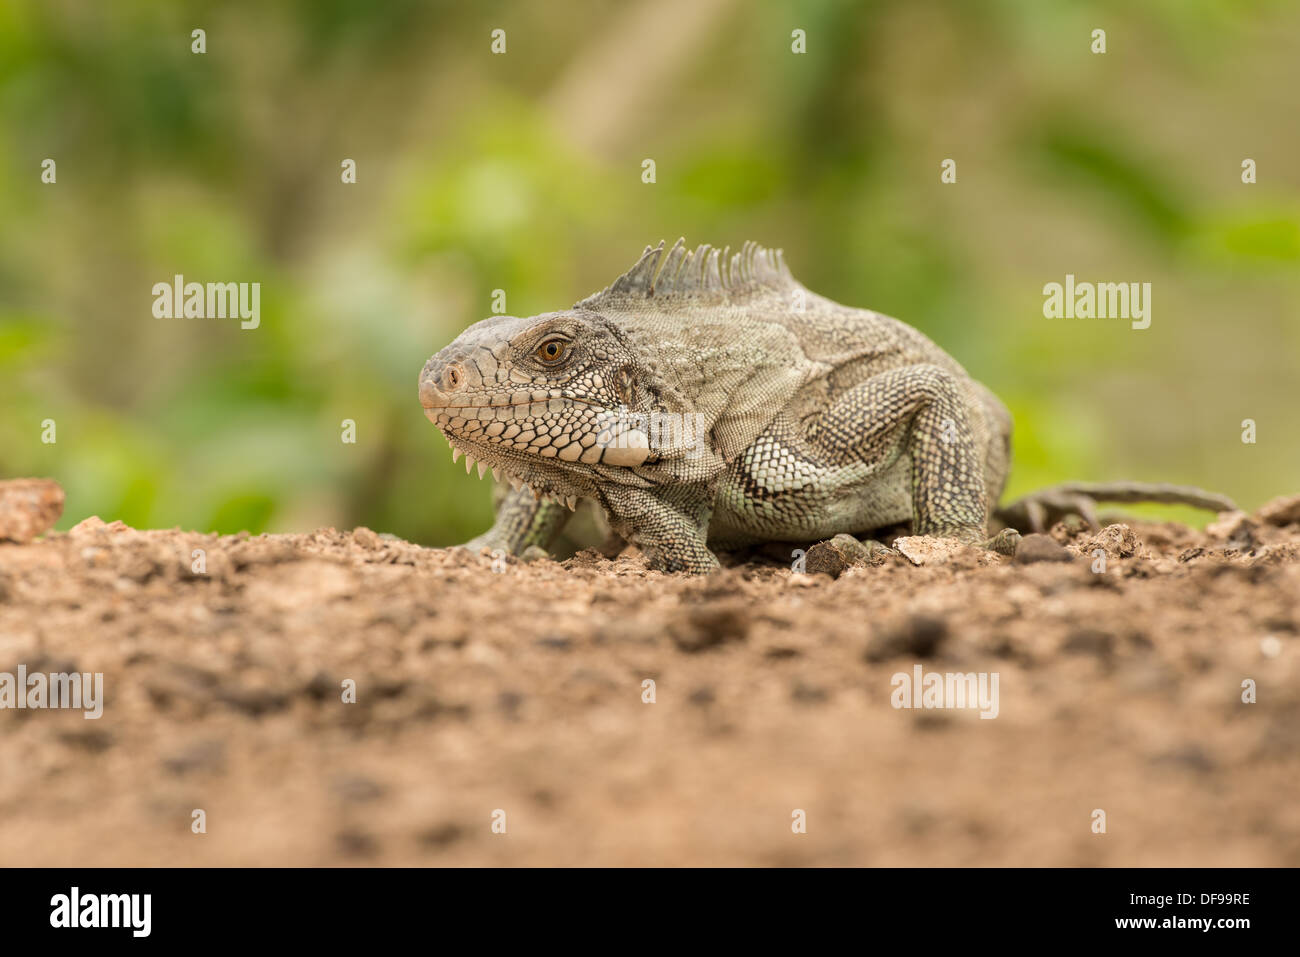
column 705, row 271
column 699, row 265
column 639, row 280
column 712, row 273
column 668, row 274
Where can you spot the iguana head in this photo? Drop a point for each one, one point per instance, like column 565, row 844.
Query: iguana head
column 656, row 380
column 541, row 401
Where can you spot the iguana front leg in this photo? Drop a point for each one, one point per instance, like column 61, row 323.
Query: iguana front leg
column 922, row 411
column 668, row 524
column 521, row 521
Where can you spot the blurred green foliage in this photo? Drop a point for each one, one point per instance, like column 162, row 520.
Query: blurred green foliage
column 522, row 172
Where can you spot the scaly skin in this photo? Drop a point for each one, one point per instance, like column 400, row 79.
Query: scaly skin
column 706, row 401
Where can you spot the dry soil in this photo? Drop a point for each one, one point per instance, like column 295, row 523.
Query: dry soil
column 517, row 694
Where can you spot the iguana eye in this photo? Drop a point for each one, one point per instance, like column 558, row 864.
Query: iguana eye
column 552, row 350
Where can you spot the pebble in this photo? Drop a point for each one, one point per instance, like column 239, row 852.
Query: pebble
column 28, row 508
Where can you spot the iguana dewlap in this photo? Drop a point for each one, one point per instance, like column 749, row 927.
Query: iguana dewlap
column 706, row 400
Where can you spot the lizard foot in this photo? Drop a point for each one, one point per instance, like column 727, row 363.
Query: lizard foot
column 1004, row 542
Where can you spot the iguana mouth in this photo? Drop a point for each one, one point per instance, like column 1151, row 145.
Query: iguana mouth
column 461, row 446
column 507, row 405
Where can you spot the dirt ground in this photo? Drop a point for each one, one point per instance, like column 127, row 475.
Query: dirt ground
column 521, row 690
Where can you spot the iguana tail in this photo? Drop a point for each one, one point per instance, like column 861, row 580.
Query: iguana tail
column 1040, row 510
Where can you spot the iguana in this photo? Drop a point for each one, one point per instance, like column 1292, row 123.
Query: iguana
column 710, row 401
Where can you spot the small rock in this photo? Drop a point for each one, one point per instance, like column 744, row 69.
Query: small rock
column 837, row 555
column 366, row 538
column 1281, row 511
column 1117, row 541
column 1041, row 548
column 86, row 526
column 28, row 508
column 925, row 550
column 95, row 525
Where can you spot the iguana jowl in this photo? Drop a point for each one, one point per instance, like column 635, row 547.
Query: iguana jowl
column 710, row 400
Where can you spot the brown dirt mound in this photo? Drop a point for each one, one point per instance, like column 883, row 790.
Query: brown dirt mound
column 521, row 689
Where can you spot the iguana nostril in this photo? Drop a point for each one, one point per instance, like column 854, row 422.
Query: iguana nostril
column 439, row 381
column 429, row 394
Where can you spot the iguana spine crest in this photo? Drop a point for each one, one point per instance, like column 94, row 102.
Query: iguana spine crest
column 702, row 271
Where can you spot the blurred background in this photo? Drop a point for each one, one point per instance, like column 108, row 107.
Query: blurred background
column 522, row 172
